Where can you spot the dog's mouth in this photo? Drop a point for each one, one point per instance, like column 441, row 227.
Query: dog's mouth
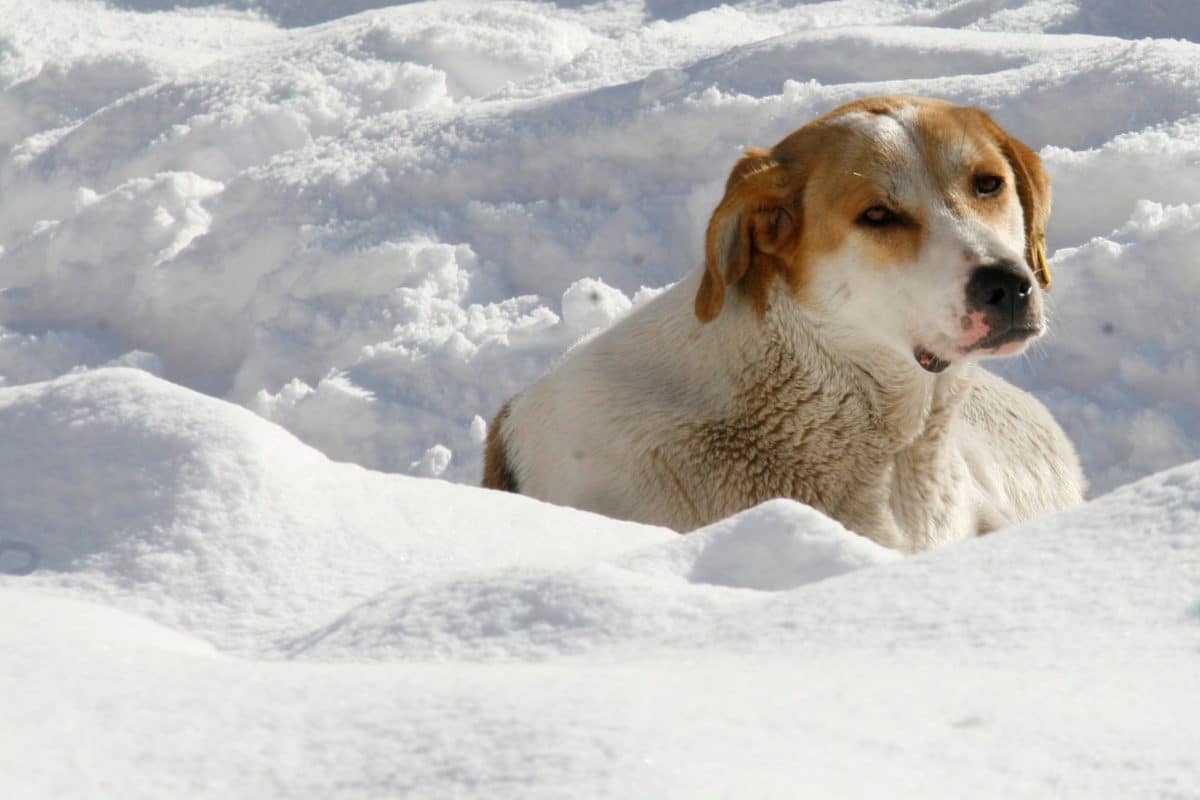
column 932, row 362
column 929, row 361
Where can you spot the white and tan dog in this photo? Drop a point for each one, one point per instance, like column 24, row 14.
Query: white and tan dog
column 855, row 274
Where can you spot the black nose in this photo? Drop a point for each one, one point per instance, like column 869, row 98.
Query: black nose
column 1001, row 290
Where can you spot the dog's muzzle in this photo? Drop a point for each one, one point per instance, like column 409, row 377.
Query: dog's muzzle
column 1004, row 294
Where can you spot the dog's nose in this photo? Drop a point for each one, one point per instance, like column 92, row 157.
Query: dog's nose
column 1002, row 290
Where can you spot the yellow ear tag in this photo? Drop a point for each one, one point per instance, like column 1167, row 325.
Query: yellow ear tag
column 1041, row 268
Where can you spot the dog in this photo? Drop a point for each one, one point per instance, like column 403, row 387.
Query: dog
column 827, row 350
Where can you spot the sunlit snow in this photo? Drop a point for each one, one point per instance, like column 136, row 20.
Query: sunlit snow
column 268, row 267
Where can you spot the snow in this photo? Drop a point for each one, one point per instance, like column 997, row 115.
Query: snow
column 322, row 630
column 268, row 267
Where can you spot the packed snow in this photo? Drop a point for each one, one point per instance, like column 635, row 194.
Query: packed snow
column 268, row 267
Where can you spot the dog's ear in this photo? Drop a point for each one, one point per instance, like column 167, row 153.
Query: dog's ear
column 751, row 224
column 1033, row 189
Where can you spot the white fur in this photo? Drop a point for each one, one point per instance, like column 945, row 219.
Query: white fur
column 667, row 420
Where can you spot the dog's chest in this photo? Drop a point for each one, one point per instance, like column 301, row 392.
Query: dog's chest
column 891, row 477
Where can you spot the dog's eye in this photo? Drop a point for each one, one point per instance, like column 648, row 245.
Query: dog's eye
column 988, row 185
column 878, row 217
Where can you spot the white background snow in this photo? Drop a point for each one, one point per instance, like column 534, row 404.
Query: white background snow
column 263, row 263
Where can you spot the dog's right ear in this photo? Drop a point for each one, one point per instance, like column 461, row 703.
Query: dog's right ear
column 1033, row 189
column 753, row 220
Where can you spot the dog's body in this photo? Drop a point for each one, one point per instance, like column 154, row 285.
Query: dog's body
column 871, row 258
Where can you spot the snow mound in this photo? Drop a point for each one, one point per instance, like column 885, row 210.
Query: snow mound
column 776, row 546
column 482, row 643
column 637, row 602
column 207, row 518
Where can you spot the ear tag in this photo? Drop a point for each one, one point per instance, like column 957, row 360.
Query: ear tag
column 1040, row 268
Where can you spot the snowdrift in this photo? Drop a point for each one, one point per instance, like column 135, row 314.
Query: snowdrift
column 380, row 635
column 266, row 269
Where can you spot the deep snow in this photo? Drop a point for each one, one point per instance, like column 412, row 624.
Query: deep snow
column 371, row 228
column 389, row 636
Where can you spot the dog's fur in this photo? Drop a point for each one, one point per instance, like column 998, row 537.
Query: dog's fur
column 826, row 350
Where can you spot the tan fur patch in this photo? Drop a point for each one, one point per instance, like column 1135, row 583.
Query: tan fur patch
column 497, row 472
column 845, row 186
column 1032, row 186
column 958, row 145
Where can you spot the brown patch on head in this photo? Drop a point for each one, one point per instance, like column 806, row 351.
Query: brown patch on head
column 1000, row 154
column 497, row 472
column 858, row 163
column 852, row 178
column 786, row 207
column 957, row 148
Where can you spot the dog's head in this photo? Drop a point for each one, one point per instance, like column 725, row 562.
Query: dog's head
column 911, row 224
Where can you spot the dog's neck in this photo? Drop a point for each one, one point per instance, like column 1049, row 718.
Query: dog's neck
column 818, row 360
column 781, row 404
column 864, row 430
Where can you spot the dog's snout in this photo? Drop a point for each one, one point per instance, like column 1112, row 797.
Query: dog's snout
column 1002, row 291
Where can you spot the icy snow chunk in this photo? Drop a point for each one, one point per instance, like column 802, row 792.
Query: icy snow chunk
column 114, row 236
column 778, row 545
column 426, row 379
column 479, row 429
column 433, row 463
column 590, row 303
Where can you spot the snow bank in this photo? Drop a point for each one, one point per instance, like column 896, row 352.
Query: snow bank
column 1123, row 356
column 205, row 517
column 640, row 601
column 398, row 636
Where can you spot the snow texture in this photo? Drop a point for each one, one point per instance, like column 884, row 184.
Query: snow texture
column 258, row 621
column 375, row 230
column 268, row 267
